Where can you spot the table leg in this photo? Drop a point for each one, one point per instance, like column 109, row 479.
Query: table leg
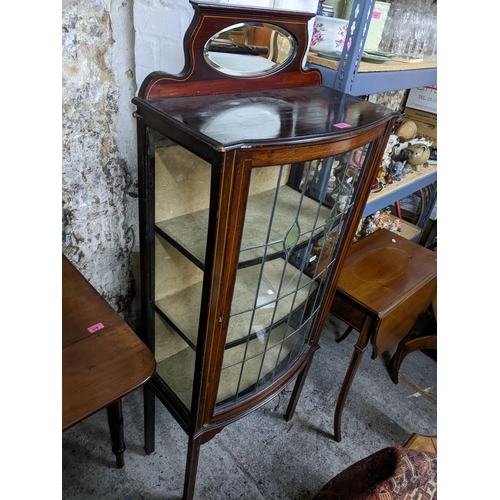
column 357, row 354
column 344, row 335
column 407, row 347
column 115, row 421
column 149, row 419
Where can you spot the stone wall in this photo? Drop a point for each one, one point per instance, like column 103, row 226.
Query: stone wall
column 99, row 179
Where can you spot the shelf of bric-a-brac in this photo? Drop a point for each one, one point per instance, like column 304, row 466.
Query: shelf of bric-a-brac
column 397, row 190
column 407, row 230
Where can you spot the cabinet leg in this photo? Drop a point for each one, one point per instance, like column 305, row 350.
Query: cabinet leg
column 149, row 419
column 191, row 468
column 297, row 389
column 356, row 357
column 115, row 422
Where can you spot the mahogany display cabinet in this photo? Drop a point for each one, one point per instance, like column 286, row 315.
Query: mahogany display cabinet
column 252, row 180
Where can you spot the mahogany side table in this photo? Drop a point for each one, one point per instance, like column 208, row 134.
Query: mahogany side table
column 103, row 359
column 385, row 284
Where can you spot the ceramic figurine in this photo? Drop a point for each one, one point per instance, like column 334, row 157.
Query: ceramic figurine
column 341, row 202
column 400, row 146
column 385, row 220
column 368, row 227
column 416, row 155
column 381, row 172
column 398, row 170
column 406, row 131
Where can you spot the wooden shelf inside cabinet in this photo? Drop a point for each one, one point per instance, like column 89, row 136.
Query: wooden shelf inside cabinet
column 180, row 309
column 398, row 190
column 179, row 230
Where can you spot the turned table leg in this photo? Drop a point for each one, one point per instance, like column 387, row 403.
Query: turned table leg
column 115, row 421
column 356, row 357
column 149, row 419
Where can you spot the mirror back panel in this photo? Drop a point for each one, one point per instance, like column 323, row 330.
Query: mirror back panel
column 238, row 49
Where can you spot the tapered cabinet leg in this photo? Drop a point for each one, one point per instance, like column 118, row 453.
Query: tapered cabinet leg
column 115, row 422
column 356, row 357
column 297, row 389
column 149, row 419
column 191, row 468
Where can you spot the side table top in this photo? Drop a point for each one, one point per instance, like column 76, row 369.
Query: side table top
column 100, row 365
column 383, row 269
column 82, row 306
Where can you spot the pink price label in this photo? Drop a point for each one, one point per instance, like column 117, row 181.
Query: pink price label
column 376, row 14
column 341, row 125
column 95, row 328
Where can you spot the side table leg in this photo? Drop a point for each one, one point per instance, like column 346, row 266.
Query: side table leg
column 115, row 421
column 149, row 419
column 405, row 348
column 357, row 354
column 416, row 339
column 344, row 335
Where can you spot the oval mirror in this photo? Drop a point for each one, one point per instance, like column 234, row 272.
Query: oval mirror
column 250, row 49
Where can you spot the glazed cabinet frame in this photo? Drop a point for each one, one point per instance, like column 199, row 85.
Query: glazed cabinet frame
column 265, row 145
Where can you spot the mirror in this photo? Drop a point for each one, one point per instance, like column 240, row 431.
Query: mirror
column 250, row 49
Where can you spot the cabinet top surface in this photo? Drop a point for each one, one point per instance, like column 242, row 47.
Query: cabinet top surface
column 272, row 116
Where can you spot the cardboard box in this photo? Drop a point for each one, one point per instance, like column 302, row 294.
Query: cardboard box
column 426, row 123
column 423, row 98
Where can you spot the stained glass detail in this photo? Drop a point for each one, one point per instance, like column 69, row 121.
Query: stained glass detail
column 330, row 221
column 292, row 236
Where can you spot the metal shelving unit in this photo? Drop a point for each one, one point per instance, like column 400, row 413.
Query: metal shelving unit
column 352, row 76
column 377, row 78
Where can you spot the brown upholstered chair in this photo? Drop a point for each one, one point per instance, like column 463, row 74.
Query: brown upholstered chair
column 395, row 473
